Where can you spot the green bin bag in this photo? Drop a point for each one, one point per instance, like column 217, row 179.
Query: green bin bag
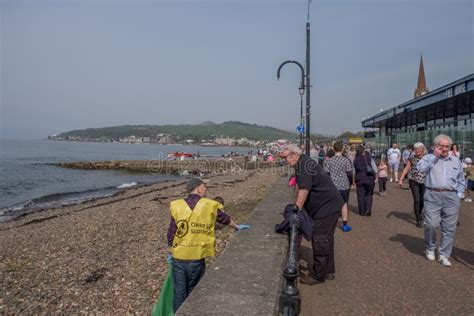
column 164, row 305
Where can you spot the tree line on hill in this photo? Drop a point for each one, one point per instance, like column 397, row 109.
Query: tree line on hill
column 199, row 132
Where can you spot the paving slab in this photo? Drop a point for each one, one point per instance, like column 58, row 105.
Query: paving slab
column 380, row 267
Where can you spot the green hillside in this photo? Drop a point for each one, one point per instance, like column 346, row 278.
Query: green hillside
column 203, row 131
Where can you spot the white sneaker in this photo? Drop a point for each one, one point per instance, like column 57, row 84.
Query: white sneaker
column 444, row 261
column 430, row 255
column 391, row 180
column 468, row 200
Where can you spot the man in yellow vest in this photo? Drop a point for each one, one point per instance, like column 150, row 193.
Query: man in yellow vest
column 191, row 237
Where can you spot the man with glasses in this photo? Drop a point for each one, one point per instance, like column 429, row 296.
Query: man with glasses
column 445, row 185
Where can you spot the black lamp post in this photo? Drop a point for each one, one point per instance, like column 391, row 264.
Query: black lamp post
column 308, row 83
column 301, row 90
column 305, row 85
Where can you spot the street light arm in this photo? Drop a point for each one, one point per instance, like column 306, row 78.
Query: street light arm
column 292, row 62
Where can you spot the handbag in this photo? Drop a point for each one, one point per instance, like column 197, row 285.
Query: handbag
column 370, row 170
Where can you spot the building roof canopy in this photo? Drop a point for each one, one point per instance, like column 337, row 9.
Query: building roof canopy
column 448, row 91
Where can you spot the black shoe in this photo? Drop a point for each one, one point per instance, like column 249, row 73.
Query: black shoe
column 368, row 214
column 330, row 276
column 309, row 280
column 418, row 224
column 361, row 214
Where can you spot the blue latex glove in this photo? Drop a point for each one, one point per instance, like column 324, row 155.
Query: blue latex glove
column 243, row 226
column 169, row 258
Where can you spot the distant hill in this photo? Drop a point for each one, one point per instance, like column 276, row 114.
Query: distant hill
column 203, row 131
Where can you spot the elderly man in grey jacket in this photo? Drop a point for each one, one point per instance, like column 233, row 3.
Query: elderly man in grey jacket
column 445, row 185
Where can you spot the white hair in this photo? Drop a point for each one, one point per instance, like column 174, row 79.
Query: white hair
column 420, row 145
column 442, row 137
column 293, row 149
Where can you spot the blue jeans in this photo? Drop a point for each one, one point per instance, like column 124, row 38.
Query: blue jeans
column 186, row 275
column 441, row 209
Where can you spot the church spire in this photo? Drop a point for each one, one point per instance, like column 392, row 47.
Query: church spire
column 421, row 86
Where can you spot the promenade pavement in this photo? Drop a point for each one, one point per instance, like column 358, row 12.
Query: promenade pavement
column 381, row 269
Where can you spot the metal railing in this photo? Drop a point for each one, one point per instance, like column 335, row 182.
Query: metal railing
column 290, row 300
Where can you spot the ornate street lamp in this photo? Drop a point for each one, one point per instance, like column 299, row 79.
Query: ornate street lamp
column 301, row 90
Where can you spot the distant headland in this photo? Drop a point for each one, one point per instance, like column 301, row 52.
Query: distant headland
column 231, row 133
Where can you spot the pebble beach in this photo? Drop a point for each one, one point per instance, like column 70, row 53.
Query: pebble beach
column 107, row 256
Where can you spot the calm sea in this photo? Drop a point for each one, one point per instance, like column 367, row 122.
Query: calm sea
column 28, row 183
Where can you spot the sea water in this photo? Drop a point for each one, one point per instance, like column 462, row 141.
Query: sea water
column 29, row 183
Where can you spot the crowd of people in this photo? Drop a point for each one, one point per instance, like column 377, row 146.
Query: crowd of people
column 437, row 178
column 366, row 173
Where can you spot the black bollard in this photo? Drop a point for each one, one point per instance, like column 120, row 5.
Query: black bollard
column 290, row 300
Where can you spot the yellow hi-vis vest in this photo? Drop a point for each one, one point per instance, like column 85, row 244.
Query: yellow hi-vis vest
column 194, row 238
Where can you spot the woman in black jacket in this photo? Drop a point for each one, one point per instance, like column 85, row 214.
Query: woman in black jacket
column 365, row 180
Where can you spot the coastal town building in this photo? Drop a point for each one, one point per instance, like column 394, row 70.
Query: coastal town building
column 165, row 139
column 130, row 140
column 225, row 141
column 448, row 110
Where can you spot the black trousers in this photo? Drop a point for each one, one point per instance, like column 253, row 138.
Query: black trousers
column 323, row 245
column 417, row 190
column 345, row 195
column 365, row 195
column 383, row 184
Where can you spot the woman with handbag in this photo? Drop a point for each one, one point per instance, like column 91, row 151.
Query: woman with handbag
column 365, row 172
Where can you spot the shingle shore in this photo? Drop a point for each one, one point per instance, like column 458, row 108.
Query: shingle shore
column 106, row 256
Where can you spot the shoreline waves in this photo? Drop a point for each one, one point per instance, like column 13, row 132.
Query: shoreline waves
column 175, row 168
column 64, row 199
column 31, row 178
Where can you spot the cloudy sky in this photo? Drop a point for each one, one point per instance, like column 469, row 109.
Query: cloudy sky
column 75, row 64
